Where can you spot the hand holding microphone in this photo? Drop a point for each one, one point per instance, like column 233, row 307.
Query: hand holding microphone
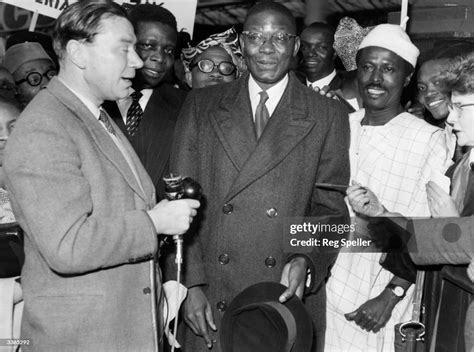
column 174, row 216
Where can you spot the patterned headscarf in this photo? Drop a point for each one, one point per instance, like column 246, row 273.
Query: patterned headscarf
column 349, row 34
column 228, row 40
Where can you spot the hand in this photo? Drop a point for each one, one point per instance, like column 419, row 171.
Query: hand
column 293, row 276
column 441, row 204
column 173, row 217
column 415, row 108
column 364, row 201
column 327, row 92
column 374, row 314
column 198, row 314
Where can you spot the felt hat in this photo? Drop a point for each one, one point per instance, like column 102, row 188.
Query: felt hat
column 18, row 54
column 256, row 321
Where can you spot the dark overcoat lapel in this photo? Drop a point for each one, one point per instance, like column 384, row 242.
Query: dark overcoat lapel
column 233, row 124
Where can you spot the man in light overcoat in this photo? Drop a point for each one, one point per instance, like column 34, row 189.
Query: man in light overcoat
column 84, row 200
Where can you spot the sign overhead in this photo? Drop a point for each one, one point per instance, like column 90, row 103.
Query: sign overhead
column 184, row 10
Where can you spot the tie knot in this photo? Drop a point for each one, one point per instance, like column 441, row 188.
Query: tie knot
column 103, row 117
column 263, row 96
column 136, row 95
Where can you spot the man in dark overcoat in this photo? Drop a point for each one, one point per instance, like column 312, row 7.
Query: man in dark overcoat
column 258, row 145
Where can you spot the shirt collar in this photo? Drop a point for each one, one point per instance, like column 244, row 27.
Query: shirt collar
column 320, row 83
column 275, row 93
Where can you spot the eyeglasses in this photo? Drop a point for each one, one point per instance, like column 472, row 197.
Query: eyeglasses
column 34, row 78
column 278, row 39
column 225, row 68
column 459, row 107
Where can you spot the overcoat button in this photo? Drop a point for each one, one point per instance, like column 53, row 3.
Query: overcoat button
column 221, row 306
column 272, row 213
column 146, row 291
column 224, row 259
column 270, row 262
column 228, row 208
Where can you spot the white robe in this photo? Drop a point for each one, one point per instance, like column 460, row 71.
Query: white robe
column 395, row 161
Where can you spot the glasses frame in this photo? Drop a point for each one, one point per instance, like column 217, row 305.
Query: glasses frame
column 46, row 74
column 214, row 65
column 264, row 38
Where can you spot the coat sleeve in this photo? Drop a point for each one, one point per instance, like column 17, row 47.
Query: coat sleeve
column 184, row 156
column 57, row 206
column 328, row 206
column 442, row 241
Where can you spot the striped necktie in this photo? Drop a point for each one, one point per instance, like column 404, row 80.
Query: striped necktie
column 134, row 113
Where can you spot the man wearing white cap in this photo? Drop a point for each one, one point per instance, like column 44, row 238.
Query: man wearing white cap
column 394, row 154
column 31, row 67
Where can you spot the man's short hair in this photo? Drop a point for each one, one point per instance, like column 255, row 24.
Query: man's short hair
column 270, row 6
column 321, row 26
column 152, row 13
column 81, row 21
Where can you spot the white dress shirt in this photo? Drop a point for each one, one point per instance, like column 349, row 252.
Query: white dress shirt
column 320, row 83
column 125, row 103
column 274, row 94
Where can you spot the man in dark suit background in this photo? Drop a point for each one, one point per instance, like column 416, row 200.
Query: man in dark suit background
column 148, row 115
column 318, row 57
column 258, row 145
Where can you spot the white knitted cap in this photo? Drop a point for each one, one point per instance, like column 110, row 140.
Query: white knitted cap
column 392, row 37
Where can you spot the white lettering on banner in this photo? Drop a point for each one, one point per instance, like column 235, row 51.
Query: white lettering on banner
column 184, row 10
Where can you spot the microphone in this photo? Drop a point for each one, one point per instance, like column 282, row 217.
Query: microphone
column 177, row 187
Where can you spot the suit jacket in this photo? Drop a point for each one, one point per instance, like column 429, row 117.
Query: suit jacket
column 334, row 85
column 252, row 187
column 89, row 276
column 154, row 136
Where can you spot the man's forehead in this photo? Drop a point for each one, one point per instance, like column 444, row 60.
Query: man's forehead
column 376, row 52
column 268, row 18
column 116, row 26
column 321, row 33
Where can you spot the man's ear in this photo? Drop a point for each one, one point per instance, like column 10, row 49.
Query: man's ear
column 242, row 44
column 408, row 79
column 188, row 76
column 77, row 53
column 297, row 46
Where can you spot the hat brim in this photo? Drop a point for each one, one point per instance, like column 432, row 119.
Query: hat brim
column 265, row 292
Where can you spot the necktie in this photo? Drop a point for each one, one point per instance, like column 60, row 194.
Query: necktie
column 261, row 114
column 104, row 118
column 134, row 114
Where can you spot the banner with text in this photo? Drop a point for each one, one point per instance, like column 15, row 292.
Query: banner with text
column 184, row 10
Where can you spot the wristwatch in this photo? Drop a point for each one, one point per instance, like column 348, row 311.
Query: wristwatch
column 398, row 291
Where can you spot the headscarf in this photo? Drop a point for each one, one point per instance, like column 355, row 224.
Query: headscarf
column 228, row 40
